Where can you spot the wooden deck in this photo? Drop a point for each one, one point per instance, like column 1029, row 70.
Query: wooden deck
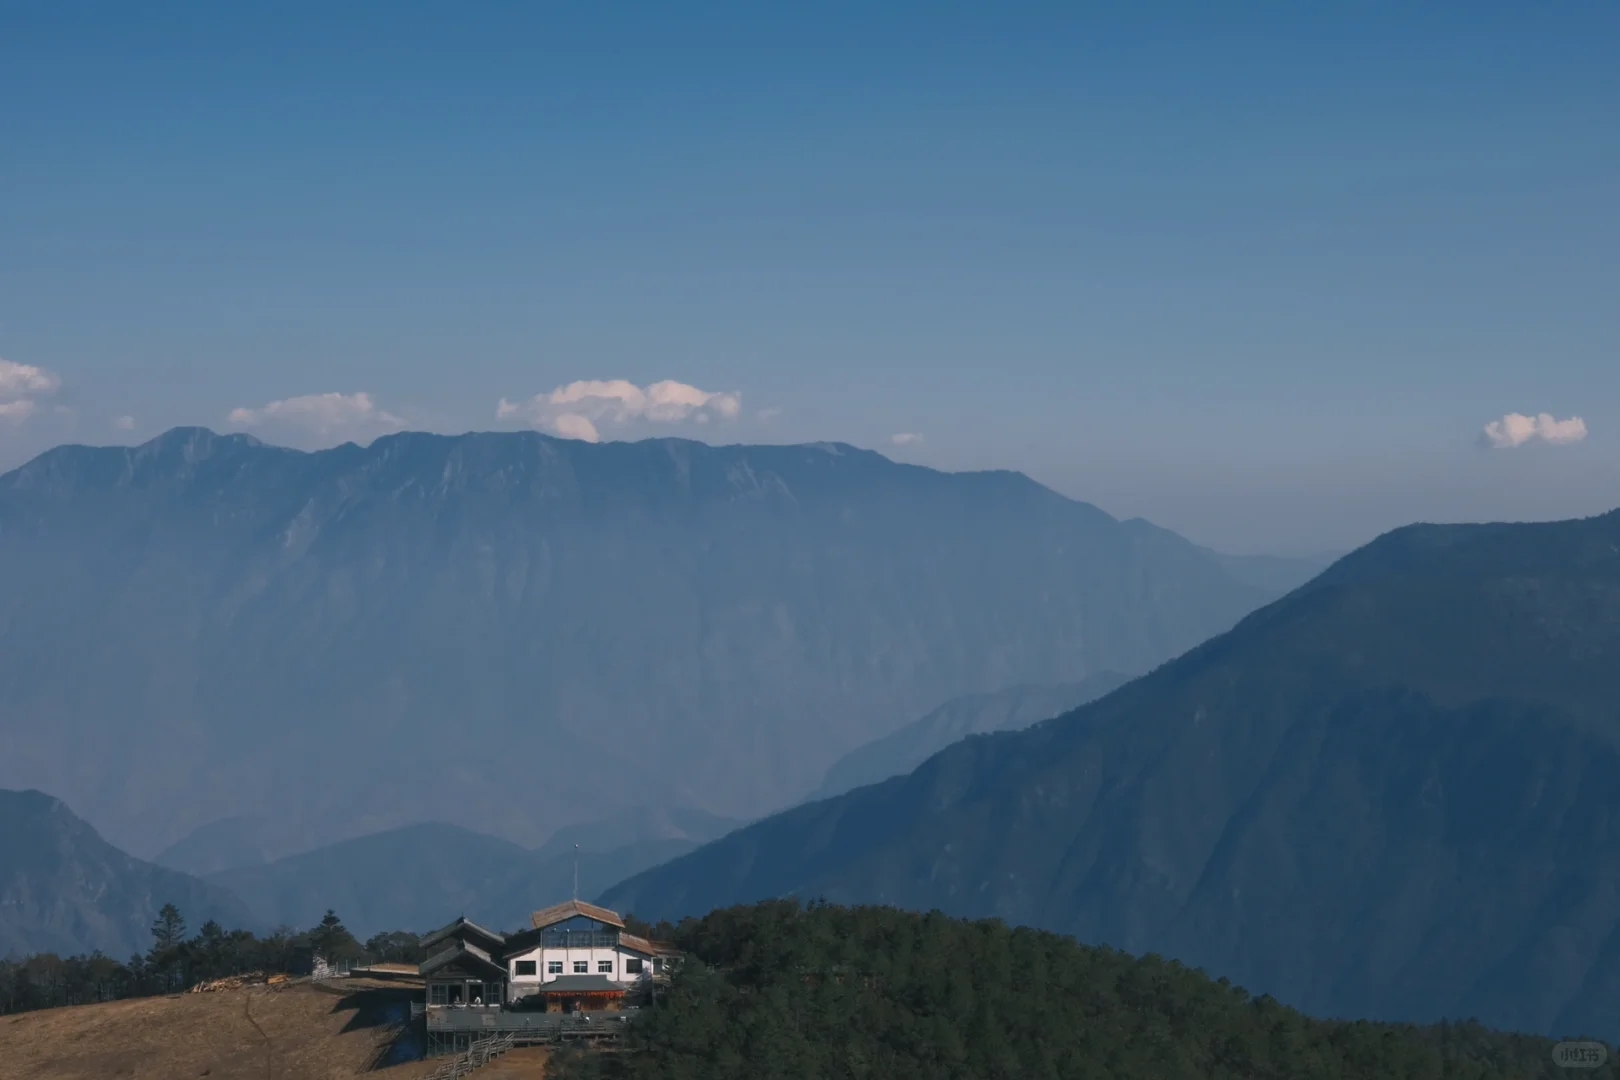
column 452, row 1030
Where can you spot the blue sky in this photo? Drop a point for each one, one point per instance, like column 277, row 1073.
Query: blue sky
column 1261, row 273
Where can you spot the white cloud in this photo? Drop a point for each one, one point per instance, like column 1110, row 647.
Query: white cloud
column 124, row 423
column 575, row 426
column 1516, row 429
column 906, row 438
column 324, row 415
column 21, row 385
column 17, row 411
column 577, row 411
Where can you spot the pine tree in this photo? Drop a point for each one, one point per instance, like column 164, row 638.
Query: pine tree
column 168, row 931
column 332, row 940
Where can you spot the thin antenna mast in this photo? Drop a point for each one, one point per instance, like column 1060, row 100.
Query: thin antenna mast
column 576, row 873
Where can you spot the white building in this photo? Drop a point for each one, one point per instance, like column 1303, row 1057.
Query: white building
column 574, row 956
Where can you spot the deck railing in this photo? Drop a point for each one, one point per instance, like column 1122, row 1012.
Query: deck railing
column 500, row 1021
column 579, row 939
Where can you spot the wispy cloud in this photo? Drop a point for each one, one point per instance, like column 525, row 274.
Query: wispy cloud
column 17, row 411
column 1516, row 429
column 906, row 438
column 124, row 423
column 21, row 387
column 580, row 409
column 323, row 415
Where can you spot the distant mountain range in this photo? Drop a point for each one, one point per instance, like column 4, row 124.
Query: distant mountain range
column 64, row 889
column 1274, row 573
column 972, row 714
column 1391, row 794
column 211, row 642
column 419, row 877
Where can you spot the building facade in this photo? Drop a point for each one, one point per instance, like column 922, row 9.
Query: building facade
column 574, row 957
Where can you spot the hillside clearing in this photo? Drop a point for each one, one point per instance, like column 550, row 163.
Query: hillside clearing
column 303, row 1032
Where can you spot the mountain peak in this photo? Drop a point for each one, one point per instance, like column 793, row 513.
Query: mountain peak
column 64, row 889
column 1383, row 795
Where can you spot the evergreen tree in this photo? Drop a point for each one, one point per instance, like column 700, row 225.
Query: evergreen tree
column 777, row 991
column 168, row 932
column 332, row 940
column 395, row 947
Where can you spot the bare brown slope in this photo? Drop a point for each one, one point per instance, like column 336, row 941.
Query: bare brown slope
column 300, row 1033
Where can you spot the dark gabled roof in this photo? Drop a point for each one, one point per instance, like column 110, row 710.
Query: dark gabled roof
column 521, row 942
column 470, row 957
column 462, row 929
column 582, row 984
column 557, row 913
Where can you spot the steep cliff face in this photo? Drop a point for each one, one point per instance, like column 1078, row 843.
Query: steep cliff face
column 513, row 633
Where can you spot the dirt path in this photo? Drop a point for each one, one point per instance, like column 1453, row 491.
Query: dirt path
column 269, row 1048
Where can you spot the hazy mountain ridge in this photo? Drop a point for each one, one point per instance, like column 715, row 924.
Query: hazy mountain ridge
column 1275, row 573
column 419, row 877
column 1389, row 794
column 328, row 636
column 974, row 714
column 64, row 889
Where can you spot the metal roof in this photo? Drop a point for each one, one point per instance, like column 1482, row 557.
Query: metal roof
column 646, row 947
column 582, row 984
column 568, row 909
column 462, row 925
column 469, row 955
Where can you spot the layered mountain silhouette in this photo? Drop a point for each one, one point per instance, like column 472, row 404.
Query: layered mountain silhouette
column 972, row 714
column 420, row 877
column 64, row 889
column 1394, row 793
column 515, row 633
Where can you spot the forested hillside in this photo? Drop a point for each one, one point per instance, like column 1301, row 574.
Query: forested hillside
column 1390, row 794
column 777, row 992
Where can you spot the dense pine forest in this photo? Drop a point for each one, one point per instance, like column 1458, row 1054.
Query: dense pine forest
column 177, row 961
column 782, row 992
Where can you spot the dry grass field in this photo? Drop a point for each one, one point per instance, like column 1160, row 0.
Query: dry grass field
column 301, row 1032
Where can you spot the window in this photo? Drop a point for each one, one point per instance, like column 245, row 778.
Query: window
column 438, row 995
column 553, row 967
column 632, row 965
column 604, row 967
column 658, row 965
column 582, row 967
column 523, row 967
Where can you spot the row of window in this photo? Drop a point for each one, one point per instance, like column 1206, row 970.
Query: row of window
column 632, row 966
column 456, row 993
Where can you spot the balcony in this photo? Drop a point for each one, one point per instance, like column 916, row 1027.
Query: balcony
column 579, row 939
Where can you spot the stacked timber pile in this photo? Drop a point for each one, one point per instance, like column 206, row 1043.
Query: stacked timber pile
column 237, row 982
